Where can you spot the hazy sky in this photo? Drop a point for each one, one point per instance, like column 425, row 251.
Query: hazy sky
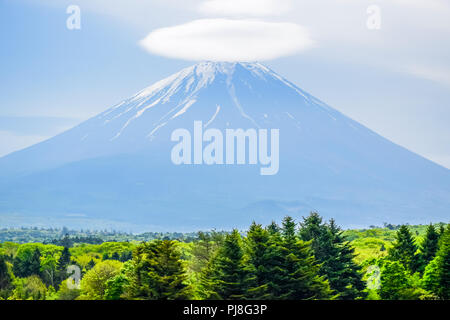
column 395, row 79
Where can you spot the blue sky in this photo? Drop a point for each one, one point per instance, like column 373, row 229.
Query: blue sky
column 395, row 80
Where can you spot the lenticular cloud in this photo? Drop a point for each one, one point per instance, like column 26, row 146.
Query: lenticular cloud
column 228, row 40
column 250, row 8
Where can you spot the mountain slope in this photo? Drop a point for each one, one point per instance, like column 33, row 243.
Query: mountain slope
column 116, row 166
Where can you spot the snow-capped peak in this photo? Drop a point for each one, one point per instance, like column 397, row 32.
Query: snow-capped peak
column 176, row 94
column 203, row 73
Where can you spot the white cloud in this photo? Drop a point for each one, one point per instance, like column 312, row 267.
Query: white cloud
column 438, row 75
column 13, row 142
column 228, row 40
column 423, row 4
column 245, row 7
column 442, row 159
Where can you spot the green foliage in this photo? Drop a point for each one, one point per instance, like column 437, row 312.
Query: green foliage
column 49, row 270
column 69, row 238
column 6, row 278
column 394, row 280
column 125, row 256
column 27, row 260
column 30, row 288
column 67, row 293
column 228, row 273
column 157, row 273
column 335, row 255
column 316, row 261
column 398, row 284
column 204, row 248
column 431, row 276
column 115, row 287
column 404, row 250
column 373, row 295
column 86, row 261
column 115, row 256
column 302, row 280
column 61, row 266
column 275, row 264
column 343, row 273
column 262, row 263
column 64, row 259
column 369, row 243
column 369, row 248
column 437, row 273
column 429, row 247
column 28, row 264
column 94, row 282
column 105, row 249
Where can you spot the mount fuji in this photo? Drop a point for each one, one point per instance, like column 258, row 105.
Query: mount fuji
column 115, row 169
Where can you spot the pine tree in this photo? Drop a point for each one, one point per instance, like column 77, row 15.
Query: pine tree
column 227, row 272
column 5, row 278
column 444, row 256
column 404, row 249
column 261, row 263
column 431, row 276
column 303, row 280
column 115, row 256
column 273, row 228
column 35, row 263
column 312, row 228
column 63, row 262
column 64, row 259
column 441, row 230
column 393, row 280
column 204, row 248
column 429, row 246
column 343, row 273
column 158, row 272
column 90, row 264
column 437, row 273
column 335, row 255
column 66, row 241
column 205, row 286
column 125, row 256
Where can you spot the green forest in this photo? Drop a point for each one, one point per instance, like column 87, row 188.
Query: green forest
column 293, row 260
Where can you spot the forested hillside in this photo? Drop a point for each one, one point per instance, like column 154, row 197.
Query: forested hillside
column 306, row 259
